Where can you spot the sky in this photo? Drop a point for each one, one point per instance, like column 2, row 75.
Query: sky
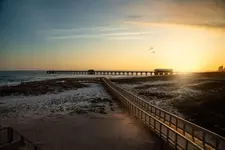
column 185, row 35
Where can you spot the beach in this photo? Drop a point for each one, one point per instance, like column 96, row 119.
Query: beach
column 81, row 106
column 77, row 114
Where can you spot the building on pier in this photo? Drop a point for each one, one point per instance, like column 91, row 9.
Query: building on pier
column 91, row 71
column 221, row 69
column 163, row 71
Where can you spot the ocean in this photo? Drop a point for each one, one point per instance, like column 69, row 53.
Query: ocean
column 16, row 77
column 8, row 78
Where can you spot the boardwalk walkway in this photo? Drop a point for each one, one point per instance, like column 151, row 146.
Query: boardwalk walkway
column 178, row 132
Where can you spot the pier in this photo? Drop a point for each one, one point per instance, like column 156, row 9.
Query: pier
column 114, row 72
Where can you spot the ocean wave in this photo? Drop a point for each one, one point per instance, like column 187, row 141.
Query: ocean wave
column 43, row 105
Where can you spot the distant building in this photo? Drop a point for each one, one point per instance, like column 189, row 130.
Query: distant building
column 91, row 71
column 221, row 69
column 163, row 71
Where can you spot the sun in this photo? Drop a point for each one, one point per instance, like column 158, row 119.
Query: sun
column 185, row 61
column 186, row 50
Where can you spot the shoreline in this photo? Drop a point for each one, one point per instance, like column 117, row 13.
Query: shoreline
column 44, row 87
column 90, row 98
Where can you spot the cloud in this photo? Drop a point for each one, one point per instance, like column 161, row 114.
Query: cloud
column 127, row 38
column 72, row 37
column 110, row 35
column 134, row 16
column 215, row 25
column 91, row 32
column 204, row 13
column 88, row 29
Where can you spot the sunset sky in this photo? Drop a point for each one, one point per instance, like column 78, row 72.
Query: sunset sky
column 186, row 35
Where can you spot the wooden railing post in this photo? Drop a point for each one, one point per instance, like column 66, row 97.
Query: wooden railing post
column 203, row 140
column 184, row 128
column 160, row 130
column 186, row 144
column 217, row 144
column 176, row 124
column 167, row 134
column 164, row 117
column 10, row 134
column 193, row 134
column 154, row 126
column 175, row 146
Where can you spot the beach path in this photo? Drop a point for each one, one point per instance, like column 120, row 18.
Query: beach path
column 113, row 131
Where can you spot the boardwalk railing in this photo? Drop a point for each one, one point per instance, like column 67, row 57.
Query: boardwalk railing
column 10, row 139
column 186, row 135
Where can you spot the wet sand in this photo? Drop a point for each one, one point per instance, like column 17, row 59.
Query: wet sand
column 43, row 87
column 112, row 131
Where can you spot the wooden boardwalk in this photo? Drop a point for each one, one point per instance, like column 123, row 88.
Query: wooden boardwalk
column 178, row 132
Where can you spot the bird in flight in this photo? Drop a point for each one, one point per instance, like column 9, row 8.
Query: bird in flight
column 151, row 48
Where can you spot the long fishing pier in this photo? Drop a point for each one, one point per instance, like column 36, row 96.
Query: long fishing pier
column 115, row 72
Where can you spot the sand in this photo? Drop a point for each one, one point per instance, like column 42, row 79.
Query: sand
column 113, row 131
column 79, row 119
